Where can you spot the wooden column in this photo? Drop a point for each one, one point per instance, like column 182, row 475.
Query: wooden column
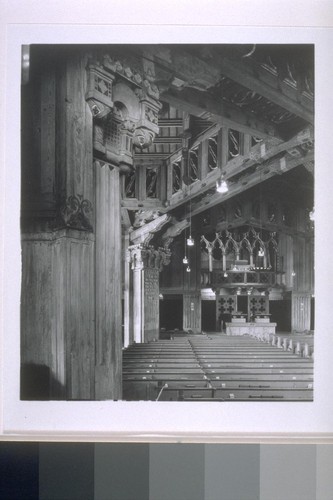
column 57, row 308
column 137, row 303
column 146, row 266
column 126, row 292
column 108, row 282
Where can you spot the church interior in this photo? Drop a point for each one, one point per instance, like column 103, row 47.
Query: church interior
column 167, row 222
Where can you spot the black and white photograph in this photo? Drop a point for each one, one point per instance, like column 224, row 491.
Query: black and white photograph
column 167, row 222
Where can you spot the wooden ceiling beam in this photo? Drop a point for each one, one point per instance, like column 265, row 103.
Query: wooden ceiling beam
column 276, row 167
column 280, row 165
column 204, row 105
column 194, row 71
column 256, row 79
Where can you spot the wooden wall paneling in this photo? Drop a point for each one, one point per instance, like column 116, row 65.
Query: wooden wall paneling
column 174, row 276
column 303, row 255
column 192, row 311
column 287, row 258
column 301, row 312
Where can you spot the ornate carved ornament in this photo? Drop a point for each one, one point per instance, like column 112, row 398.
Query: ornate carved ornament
column 137, row 126
column 143, row 256
column 250, row 240
column 142, row 76
column 144, row 216
column 76, row 213
column 99, row 91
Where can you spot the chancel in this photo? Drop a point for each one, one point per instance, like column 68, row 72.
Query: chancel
column 167, row 222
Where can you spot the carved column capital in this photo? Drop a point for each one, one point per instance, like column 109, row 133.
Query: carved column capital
column 147, row 257
column 157, row 258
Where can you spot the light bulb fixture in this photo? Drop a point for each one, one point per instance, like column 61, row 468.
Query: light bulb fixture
column 293, row 274
column 161, row 297
column 188, row 269
column 222, row 186
column 185, row 260
column 225, row 274
column 190, row 241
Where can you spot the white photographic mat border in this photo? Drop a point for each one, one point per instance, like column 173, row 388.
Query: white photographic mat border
column 161, row 421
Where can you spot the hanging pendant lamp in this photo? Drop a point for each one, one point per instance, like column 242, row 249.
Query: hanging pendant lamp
column 190, row 240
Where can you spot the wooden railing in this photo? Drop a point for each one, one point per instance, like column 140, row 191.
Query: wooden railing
column 257, row 277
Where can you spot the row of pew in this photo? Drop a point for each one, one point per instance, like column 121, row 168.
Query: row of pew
column 215, row 367
column 297, row 343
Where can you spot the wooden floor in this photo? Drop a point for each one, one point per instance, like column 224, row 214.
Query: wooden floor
column 217, row 367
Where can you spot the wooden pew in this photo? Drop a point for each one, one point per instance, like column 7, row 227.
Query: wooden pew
column 236, row 394
column 215, row 369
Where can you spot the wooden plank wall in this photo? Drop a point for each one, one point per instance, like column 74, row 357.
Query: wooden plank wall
column 192, row 311
column 57, row 311
column 301, row 312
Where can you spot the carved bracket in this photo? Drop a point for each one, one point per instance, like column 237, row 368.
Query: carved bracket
column 145, row 233
column 173, row 231
column 99, row 91
column 147, row 126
